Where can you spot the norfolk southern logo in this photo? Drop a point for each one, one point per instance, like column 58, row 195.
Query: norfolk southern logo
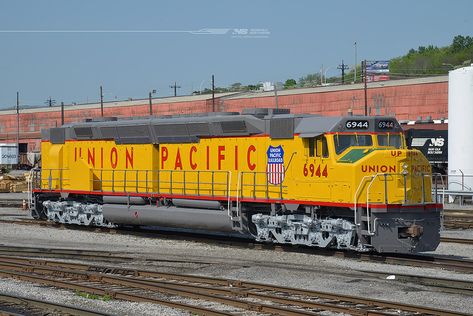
column 275, row 167
column 421, row 141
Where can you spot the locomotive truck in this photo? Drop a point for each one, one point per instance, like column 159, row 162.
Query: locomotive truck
column 329, row 182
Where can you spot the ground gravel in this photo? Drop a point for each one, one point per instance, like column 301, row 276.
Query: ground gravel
column 309, row 271
column 112, row 307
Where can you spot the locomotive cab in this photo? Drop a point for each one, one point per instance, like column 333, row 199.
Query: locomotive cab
column 361, row 171
column 394, row 210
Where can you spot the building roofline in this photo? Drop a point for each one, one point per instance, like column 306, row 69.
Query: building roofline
column 230, row 95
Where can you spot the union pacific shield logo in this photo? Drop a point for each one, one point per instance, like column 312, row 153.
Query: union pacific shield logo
column 275, row 167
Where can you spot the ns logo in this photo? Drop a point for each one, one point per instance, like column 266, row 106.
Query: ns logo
column 437, row 142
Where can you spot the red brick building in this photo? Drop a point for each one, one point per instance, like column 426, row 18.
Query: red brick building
column 412, row 99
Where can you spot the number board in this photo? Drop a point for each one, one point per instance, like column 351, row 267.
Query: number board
column 357, row 124
column 386, row 124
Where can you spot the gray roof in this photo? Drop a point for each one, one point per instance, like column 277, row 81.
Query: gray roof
column 314, row 126
column 189, row 129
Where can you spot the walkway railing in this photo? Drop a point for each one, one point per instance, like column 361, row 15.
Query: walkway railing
column 367, row 182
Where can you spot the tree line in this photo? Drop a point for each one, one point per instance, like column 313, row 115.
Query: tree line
column 423, row 61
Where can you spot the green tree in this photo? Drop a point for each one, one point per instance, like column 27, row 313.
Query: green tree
column 290, row 83
column 310, row 80
column 237, row 86
column 432, row 60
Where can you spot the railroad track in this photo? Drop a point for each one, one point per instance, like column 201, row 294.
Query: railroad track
column 446, row 285
column 64, row 253
column 20, row 305
column 457, row 240
column 221, row 296
column 11, row 202
column 426, row 261
column 458, row 223
column 462, row 219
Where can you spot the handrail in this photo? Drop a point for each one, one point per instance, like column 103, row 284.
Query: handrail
column 229, row 182
column 356, row 197
column 368, row 199
column 254, row 184
column 30, row 184
column 372, row 178
column 139, row 181
column 238, row 194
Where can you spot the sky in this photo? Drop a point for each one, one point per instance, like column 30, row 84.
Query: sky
column 67, row 49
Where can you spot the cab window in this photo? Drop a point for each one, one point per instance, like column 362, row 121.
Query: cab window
column 311, row 147
column 321, row 148
column 318, row 147
column 345, row 141
column 391, row 140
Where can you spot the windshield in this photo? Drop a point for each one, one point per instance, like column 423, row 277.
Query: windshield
column 344, row 141
column 392, row 140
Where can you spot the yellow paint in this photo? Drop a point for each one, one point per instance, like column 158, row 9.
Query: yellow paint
column 235, row 166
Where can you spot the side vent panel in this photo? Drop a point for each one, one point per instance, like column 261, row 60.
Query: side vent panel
column 280, row 128
column 234, row 127
column 109, row 132
column 198, row 129
column 57, row 135
column 83, row 132
column 134, row 134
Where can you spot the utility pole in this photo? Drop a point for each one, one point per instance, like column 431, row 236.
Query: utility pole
column 50, row 102
column 175, row 87
column 150, row 105
column 213, row 93
column 343, row 67
column 276, row 95
column 322, row 75
column 62, row 113
column 151, row 102
column 101, row 101
column 363, row 66
column 18, row 126
column 354, row 76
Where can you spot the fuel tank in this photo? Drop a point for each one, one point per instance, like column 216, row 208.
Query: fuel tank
column 168, row 216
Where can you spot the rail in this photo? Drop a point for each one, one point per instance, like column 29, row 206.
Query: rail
column 215, row 184
column 258, row 186
column 453, row 187
column 208, row 183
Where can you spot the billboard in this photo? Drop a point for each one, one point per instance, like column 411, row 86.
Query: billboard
column 377, row 66
column 377, row 70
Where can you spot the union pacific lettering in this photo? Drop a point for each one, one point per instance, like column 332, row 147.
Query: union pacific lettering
column 96, row 157
column 211, row 155
column 378, row 168
column 421, row 169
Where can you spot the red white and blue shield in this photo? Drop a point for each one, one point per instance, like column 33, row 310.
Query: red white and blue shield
column 275, row 168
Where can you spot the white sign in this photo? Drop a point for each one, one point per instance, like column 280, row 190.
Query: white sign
column 8, row 154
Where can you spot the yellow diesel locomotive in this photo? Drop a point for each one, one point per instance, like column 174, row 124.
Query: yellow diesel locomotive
column 330, row 182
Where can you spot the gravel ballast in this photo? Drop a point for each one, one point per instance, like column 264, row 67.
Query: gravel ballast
column 309, row 271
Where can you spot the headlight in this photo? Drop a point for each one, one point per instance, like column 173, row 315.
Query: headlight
column 404, row 168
